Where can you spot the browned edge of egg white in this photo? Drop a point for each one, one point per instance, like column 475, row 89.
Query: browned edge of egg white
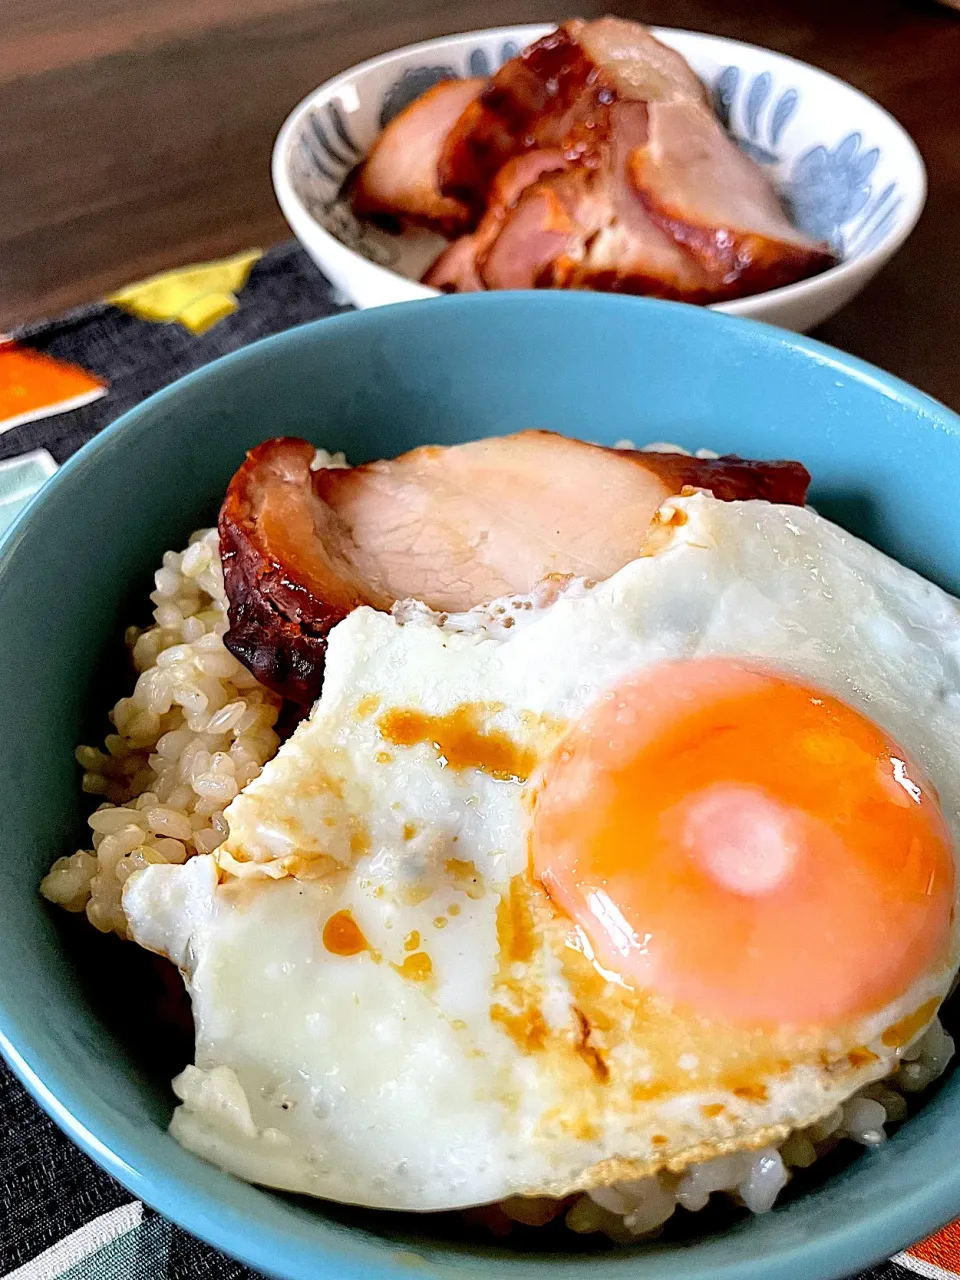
column 737, row 1062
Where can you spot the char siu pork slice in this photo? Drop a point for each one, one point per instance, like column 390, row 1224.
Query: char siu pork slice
column 458, row 268
column 454, row 527
column 399, row 177
column 653, row 197
column 718, row 203
column 557, row 93
column 585, row 228
column 638, row 65
column 555, row 224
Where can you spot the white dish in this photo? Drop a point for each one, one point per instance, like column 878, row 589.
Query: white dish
column 846, row 168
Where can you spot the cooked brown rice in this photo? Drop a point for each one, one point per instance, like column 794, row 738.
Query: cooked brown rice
column 196, row 728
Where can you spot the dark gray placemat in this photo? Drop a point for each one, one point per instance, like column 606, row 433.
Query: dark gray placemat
column 137, row 357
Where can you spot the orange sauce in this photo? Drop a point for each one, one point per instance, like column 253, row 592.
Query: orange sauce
column 861, row 1057
column 342, row 935
column 462, row 740
column 589, row 1051
column 648, row 1091
column 902, row 1032
column 466, row 877
column 751, row 1092
column 527, row 1028
column 416, row 968
column 359, row 837
column 516, row 930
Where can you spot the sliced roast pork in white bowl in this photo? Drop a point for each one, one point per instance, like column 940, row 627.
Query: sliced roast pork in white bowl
column 599, row 155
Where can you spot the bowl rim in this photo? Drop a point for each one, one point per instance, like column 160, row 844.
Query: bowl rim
column 300, row 219
column 200, row 1207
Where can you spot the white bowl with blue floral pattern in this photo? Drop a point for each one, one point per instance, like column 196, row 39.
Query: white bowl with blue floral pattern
column 845, row 168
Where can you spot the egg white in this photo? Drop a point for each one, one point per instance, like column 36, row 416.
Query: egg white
column 507, row 1063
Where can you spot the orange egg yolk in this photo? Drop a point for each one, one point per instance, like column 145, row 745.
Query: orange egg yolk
column 746, row 845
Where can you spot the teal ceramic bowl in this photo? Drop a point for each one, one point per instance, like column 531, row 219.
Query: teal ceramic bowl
column 73, row 570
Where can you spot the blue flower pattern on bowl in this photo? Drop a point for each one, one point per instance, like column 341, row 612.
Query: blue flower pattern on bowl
column 480, row 64
column 417, row 80
column 326, row 154
column 828, row 190
column 831, row 187
column 762, row 134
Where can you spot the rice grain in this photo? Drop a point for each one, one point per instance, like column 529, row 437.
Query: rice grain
column 195, row 729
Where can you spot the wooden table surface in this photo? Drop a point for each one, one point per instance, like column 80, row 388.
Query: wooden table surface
column 136, row 134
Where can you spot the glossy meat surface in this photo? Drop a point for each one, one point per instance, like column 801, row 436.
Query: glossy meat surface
column 558, row 93
column 698, row 185
column 454, row 527
column 593, row 161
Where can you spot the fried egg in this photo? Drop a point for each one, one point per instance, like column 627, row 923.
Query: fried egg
column 572, row 888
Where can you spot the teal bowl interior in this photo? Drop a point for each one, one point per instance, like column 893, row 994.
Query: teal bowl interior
column 74, row 570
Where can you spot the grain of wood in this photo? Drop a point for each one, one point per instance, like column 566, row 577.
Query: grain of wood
column 135, row 134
